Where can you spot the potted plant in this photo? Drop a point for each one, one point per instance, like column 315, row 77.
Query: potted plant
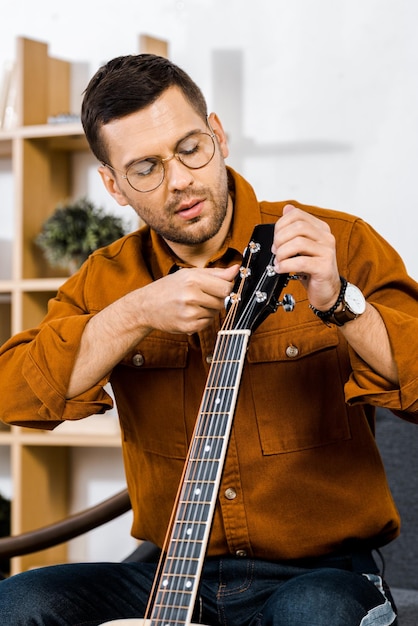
column 75, row 230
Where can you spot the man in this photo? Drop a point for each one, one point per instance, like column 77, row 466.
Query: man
column 303, row 500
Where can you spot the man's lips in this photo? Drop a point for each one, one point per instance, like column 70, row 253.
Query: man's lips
column 190, row 210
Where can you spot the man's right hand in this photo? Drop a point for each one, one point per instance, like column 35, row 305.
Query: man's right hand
column 183, row 302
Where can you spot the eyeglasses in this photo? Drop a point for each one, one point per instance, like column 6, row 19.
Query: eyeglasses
column 194, row 151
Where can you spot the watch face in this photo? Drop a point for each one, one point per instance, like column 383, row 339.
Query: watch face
column 354, row 299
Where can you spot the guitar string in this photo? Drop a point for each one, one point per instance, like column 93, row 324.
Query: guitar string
column 187, row 489
column 216, row 433
column 246, row 315
column 202, row 476
column 203, row 434
column 213, row 431
column 214, row 425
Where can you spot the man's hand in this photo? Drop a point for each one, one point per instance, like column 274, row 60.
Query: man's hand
column 186, row 301
column 304, row 245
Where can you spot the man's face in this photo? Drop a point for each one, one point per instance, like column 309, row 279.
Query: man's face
column 190, row 205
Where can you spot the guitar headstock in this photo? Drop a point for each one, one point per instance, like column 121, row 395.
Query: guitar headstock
column 258, row 287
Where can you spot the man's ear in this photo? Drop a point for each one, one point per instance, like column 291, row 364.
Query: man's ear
column 216, row 126
column 112, row 185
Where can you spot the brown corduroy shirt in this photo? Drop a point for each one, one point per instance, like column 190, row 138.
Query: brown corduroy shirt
column 303, row 476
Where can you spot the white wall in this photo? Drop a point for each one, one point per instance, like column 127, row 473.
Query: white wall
column 320, row 98
column 329, row 89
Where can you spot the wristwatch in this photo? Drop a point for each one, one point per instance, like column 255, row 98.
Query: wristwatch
column 353, row 305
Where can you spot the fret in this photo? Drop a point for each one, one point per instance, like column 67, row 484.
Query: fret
column 192, row 501
column 191, row 547
column 209, row 471
column 171, row 579
column 193, row 510
column 227, row 380
column 189, row 550
column 186, row 531
column 173, row 618
column 217, row 399
column 206, row 448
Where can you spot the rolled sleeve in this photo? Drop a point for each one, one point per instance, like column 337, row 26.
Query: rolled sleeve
column 366, row 386
column 47, row 369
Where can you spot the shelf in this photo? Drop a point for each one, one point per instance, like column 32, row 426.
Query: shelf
column 47, row 438
column 33, row 131
column 41, row 164
column 94, row 431
column 32, row 284
column 6, row 438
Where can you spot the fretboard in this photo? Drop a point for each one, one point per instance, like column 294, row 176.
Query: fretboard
column 177, row 587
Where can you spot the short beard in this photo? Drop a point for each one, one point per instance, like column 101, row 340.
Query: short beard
column 198, row 237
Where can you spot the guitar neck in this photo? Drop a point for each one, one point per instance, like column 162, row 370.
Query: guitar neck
column 176, row 591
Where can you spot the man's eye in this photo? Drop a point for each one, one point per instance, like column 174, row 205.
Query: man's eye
column 143, row 168
column 190, row 146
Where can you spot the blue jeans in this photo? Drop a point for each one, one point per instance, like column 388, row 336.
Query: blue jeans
column 233, row 592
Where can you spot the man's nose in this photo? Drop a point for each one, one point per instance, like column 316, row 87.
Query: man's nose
column 178, row 175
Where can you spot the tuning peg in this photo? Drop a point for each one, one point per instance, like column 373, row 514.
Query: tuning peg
column 288, row 302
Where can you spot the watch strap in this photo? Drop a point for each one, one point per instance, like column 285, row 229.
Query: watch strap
column 343, row 316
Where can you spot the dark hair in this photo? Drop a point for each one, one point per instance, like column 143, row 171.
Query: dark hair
column 127, row 84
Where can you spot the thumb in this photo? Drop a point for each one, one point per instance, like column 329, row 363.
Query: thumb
column 288, row 208
column 227, row 273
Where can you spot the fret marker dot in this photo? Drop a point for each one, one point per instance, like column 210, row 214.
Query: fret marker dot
column 217, row 401
column 197, row 491
column 189, row 531
column 207, row 448
column 165, row 583
column 188, row 584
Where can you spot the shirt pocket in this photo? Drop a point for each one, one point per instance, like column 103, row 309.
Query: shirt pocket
column 149, row 388
column 297, row 381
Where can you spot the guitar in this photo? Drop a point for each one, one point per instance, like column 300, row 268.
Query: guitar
column 255, row 295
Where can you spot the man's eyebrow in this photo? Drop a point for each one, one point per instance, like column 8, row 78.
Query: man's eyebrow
column 156, row 156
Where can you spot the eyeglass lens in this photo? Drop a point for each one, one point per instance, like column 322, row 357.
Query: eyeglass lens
column 195, row 151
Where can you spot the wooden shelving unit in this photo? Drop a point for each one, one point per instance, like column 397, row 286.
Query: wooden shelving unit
column 42, row 157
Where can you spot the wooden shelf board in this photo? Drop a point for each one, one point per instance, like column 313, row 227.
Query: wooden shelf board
column 6, row 286
column 71, row 441
column 6, row 438
column 32, row 284
column 65, row 136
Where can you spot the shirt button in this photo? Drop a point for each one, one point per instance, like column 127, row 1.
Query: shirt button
column 138, row 359
column 292, row 351
column 209, row 358
column 241, row 553
column 230, row 494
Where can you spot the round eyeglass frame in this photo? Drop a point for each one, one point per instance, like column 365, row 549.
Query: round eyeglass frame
column 161, row 161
